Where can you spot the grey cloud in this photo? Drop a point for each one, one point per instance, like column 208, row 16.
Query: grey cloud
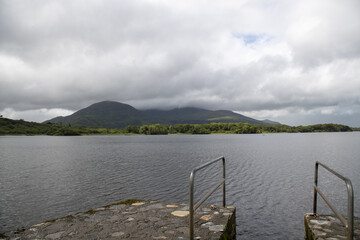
column 69, row 54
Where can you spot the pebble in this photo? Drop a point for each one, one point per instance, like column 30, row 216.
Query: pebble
column 117, row 234
column 217, row 228
column 55, row 235
column 206, row 225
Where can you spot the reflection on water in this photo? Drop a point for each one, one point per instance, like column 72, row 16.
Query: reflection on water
column 269, row 177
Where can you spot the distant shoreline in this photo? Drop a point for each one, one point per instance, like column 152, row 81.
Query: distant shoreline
column 21, row 127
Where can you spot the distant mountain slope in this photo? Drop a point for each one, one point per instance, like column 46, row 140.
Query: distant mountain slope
column 118, row 115
column 196, row 116
column 269, row 122
column 104, row 114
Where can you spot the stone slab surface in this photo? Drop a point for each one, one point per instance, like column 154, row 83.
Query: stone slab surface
column 134, row 220
column 325, row 227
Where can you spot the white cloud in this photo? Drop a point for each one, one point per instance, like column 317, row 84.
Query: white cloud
column 323, row 31
column 35, row 115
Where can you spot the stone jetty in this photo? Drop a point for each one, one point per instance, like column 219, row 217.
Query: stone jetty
column 326, row 227
column 135, row 219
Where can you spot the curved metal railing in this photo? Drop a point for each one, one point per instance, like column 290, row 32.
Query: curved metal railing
column 192, row 207
column 349, row 223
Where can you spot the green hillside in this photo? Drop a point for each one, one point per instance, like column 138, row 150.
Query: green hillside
column 196, row 116
column 21, row 127
column 111, row 114
column 104, row 114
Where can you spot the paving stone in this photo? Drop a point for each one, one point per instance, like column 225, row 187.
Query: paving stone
column 138, row 204
column 206, row 217
column 171, row 206
column 180, row 213
column 55, row 235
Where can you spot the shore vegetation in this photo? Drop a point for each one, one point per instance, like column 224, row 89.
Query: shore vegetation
column 21, row 127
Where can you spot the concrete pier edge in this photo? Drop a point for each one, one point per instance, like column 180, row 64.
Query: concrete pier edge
column 327, row 227
column 135, row 219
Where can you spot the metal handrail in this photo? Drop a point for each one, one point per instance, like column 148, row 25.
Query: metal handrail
column 349, row 224
column 192, row 207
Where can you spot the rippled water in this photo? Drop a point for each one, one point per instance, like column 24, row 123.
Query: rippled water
column 269, row 177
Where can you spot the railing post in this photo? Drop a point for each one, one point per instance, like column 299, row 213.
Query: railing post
column 350, row 212
column 191, row 206
column 224, row 191
column 315, row 186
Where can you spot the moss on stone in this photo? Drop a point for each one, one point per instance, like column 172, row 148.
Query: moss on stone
column 69, row 218
column 230, row 228
column 3, row 235
column 91, row 211
column 128, row 202
column 50, row 221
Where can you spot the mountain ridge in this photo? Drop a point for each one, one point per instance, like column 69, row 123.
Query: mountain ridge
column 112, row 114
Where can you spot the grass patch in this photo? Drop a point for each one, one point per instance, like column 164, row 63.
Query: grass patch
column 68, row 218
column 91, row 211
column 3, row 235
column 50, row 221
column 129, row 201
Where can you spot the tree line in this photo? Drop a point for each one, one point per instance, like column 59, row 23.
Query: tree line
column 21, row 127
column 231, row 128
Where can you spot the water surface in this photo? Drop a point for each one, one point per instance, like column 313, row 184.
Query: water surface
column 269, row 177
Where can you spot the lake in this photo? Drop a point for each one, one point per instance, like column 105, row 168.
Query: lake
column 269, row 177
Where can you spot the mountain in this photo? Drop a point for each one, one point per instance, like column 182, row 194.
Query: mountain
column 111, row 114
column 196, row 116
column 269, row 122
column 104, row 114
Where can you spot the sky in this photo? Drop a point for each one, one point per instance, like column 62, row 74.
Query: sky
column 296, row 62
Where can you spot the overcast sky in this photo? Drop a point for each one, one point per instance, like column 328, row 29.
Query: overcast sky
column 296, row 62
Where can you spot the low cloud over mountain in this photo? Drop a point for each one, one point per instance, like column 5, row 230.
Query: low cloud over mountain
column 297, row 62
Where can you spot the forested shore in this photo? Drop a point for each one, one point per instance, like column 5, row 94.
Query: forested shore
column 21, row 127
